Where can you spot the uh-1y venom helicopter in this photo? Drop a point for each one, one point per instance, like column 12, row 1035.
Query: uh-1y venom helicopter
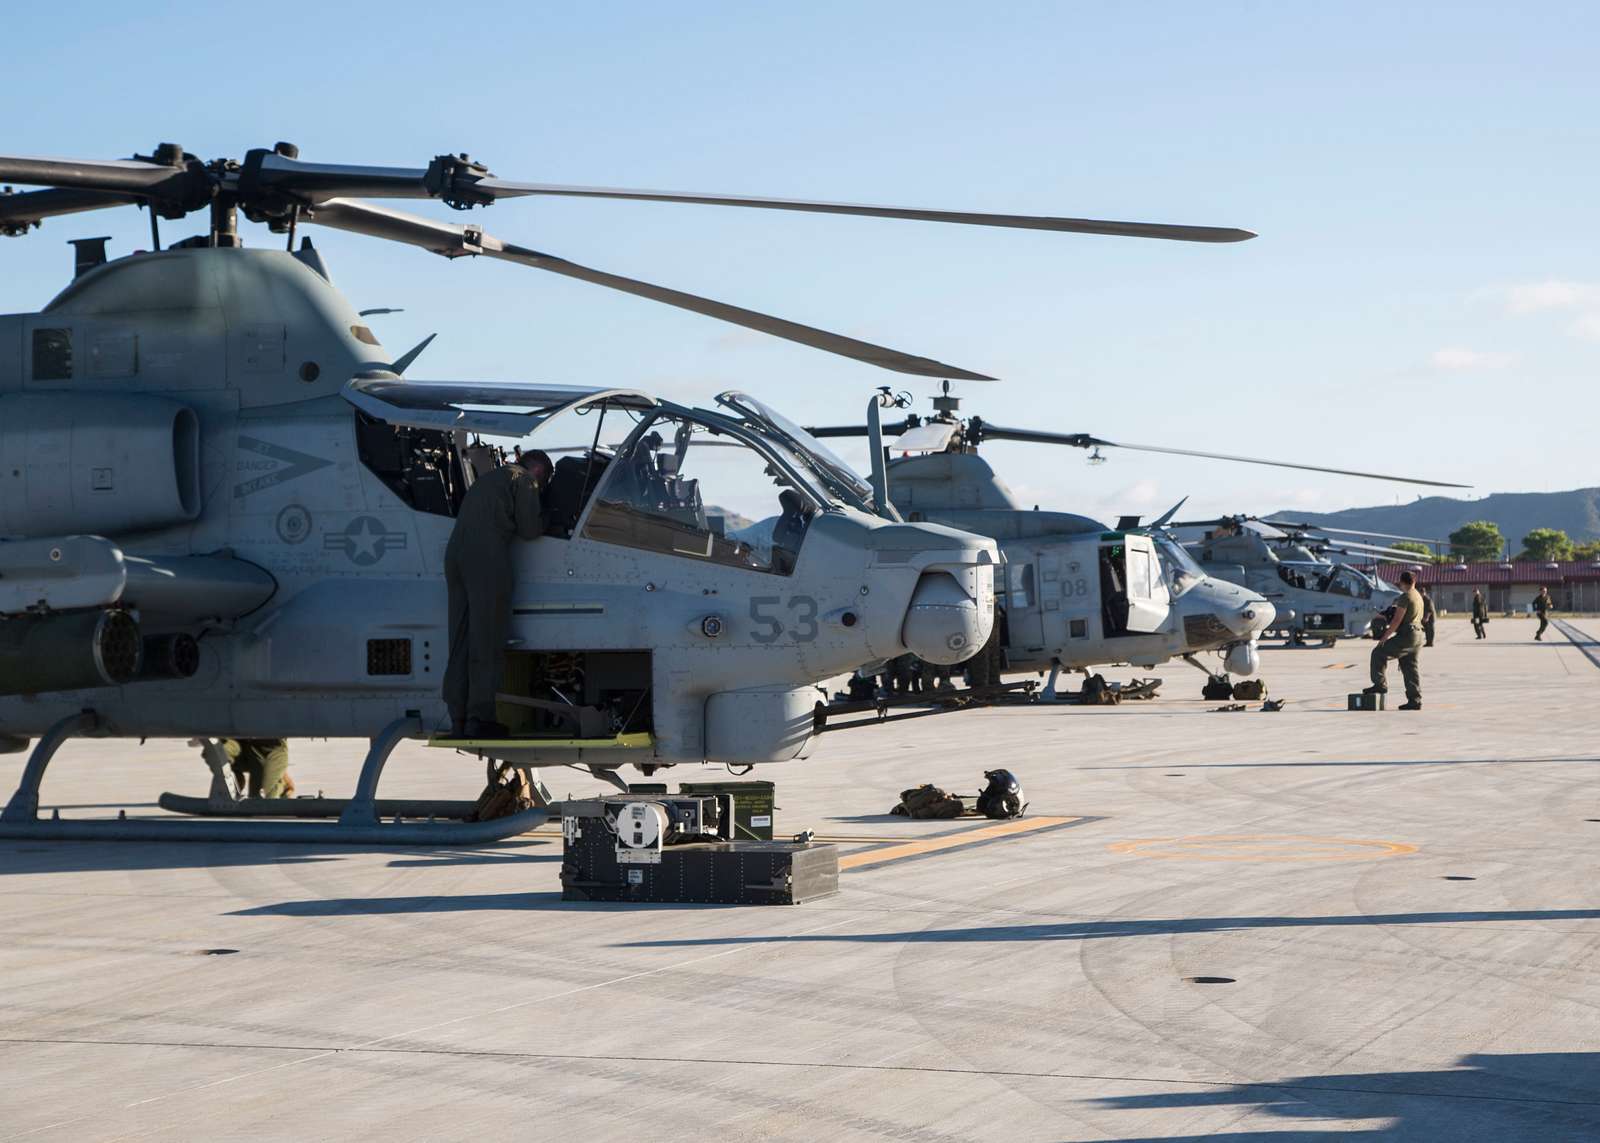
column 224, row 510
column 1075, row 593
column 1288, row 563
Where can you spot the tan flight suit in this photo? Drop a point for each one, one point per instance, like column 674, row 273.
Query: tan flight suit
column 1403, row 645
column 501, row 505
column 260, row 765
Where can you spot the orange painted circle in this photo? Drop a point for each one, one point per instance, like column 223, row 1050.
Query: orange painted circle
column 1261, row 847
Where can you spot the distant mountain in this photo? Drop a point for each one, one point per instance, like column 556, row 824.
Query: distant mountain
column 1577, row 513
column 731, row 521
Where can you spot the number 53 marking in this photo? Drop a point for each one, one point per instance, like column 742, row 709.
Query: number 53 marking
column 770, row 625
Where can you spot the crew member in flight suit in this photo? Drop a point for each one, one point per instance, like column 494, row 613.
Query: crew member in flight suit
column 260, row 766
column 1480, row 613
column 1403, row 641
column 501, row 506
column 1542, row 603
column 1429, row 617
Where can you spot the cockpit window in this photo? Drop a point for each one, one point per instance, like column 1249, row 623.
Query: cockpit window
column 683, row 489
column 1181, row 571
column 834, row 474
column 1348, row 581
column 1310, row 577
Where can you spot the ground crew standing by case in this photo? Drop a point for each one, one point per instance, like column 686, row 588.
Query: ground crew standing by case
column 1480, row 613
column 1542, row 604
column 1402, row 640
column 501, row 506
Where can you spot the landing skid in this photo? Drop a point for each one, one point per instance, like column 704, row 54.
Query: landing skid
column 1135, row 689
column 359, row 819
column 1217, row 686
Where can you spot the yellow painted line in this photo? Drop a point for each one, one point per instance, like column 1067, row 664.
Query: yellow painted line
column 1337, row 666
column 949, row 841
column 1261, row 847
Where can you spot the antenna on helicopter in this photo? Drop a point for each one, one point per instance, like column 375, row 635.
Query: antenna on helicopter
column 1096, row 456
column 945, row 404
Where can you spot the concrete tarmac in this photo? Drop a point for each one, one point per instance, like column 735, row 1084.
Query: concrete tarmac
column 1239, row 926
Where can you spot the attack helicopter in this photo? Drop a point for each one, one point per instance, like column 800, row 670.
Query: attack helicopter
column 224, row 507
column 1289, row 563
column 1074, row 593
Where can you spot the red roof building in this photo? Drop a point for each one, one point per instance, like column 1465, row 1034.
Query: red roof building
column 1574, row 584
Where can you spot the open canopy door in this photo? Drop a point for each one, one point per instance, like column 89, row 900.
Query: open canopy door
column 1133, row 590
column 494, row 408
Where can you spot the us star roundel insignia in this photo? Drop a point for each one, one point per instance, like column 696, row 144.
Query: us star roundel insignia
column 364, row 541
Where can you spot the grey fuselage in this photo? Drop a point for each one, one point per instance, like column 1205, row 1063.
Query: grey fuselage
column 258, row 347
column 1312, row 595
column 1053, row 606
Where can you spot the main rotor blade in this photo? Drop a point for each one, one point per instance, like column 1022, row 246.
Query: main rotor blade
column 1265, row 531
column 1084, row 440
column 458, row 180
column 888, row 429
column 20, row 211
column 1282, row 464
column 454, row 241
column 461, row 182
column 1333, row 531
column 126, row 176
column 1353, row 548
column 320, row 182
column 1172, row 232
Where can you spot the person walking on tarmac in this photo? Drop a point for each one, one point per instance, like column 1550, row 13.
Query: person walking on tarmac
column 1402, row 640
column 1542, row 603
column 1480, row 613
column 501, row 506
column 1429, row 617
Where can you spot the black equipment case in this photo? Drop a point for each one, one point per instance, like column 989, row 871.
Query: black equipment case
column 699, row 869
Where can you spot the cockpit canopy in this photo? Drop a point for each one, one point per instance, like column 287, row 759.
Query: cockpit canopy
column 1332, row 579
column 687, row 482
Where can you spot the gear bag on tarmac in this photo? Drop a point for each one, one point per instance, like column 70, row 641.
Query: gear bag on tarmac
column 928, row 801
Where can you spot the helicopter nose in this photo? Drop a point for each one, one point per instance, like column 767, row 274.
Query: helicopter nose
column 1256, row 615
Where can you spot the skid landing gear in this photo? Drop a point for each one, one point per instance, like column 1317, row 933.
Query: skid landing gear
column 359, row 819
column 1218, row 687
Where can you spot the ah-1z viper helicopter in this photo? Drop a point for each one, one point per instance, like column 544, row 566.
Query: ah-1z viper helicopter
column 1075, row 593
column 1288, row 563
column 225, row 510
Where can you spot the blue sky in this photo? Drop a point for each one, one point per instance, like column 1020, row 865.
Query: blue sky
column 1424, row 296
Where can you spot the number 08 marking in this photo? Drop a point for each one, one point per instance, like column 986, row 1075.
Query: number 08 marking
column 770, row 626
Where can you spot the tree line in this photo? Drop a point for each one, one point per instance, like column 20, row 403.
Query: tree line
column 1481, row 542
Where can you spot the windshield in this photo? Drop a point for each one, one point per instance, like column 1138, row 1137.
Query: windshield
column 1360, row 583
column 1182, row 572
column 1348, row 581
column 1309, row 575
column 838, row 476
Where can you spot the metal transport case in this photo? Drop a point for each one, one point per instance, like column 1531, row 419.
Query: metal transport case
column 652, row 848
column 753, row 805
